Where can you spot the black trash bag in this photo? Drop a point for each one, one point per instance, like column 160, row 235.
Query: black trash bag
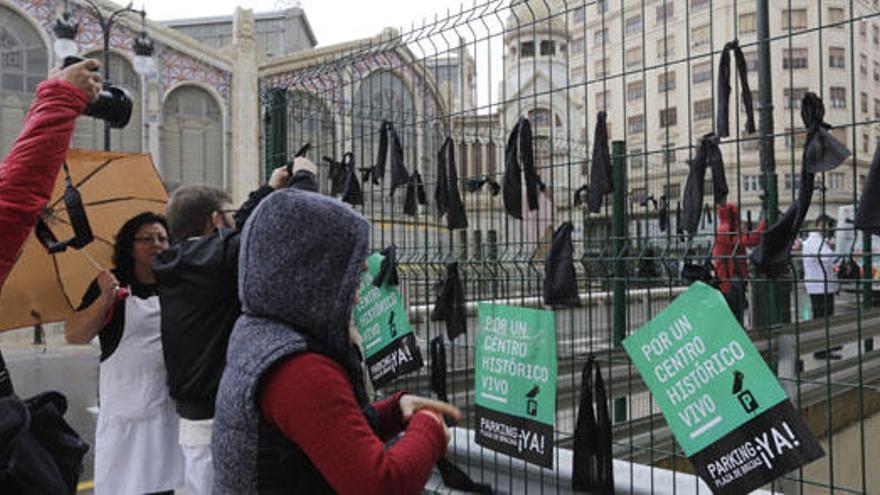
column 399, row 175
column 601, row 182
column 868, row 215
column 708, row 156
column 724, row 89
column 415, row 194
column 39, row 452
column 446, row 193
column 519, row 147
column 822, row 151
column 450, row 306
column 560, row 280
column 79, row 221
column 593, row 469
column 388, row 268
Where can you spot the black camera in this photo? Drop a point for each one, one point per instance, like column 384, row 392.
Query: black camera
column 113, row 105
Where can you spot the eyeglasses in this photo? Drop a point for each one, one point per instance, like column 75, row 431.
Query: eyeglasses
column 151, row 239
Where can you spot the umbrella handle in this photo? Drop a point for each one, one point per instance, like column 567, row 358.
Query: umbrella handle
column 91, row 259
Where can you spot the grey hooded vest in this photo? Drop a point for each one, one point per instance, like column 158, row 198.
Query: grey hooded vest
column 299, row 268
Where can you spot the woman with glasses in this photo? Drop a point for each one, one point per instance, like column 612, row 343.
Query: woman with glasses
column 136, row 439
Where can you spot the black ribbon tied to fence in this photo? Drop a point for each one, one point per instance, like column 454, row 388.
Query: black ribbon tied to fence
column 868, row 214
column 822, row 152
column 519, row 149
column 344, row 180
column 601, row 182
column 446, row 193
column 450, row 306
column 388, row 268
column 708, row 156
column 415, row 194
column 663, row 212
column 474, row 184
column 399, row 175
column 593, row 469
column 560, row 280
column 724, row 89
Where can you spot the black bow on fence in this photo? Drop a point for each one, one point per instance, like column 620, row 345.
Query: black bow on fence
column 724, row 89
column 708, row 156
column 601, row 182
column 446, row 194
column 450, row 306
column 344, row 180
column 519, row 149
column 399, row 175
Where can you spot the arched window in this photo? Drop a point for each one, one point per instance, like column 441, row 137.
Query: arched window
column 383, row 95
column 192, row 138
column 89, row 131
column 312, row 122
column 23, row 64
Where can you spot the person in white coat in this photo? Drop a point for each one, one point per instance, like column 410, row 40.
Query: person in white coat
column 136, row 439
column 820, row 277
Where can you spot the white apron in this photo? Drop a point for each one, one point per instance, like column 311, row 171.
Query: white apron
column 136, row 439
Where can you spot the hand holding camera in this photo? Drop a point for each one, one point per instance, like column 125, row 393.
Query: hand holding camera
column 85, row 75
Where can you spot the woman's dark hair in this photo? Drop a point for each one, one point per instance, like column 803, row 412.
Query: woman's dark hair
column 122, row 259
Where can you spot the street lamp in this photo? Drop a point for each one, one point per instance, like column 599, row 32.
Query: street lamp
column 65, row 45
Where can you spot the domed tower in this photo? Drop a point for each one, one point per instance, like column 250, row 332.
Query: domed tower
column 535, row 75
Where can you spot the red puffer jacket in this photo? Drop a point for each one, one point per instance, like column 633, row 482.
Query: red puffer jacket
column 28, row 173
column 729, row 252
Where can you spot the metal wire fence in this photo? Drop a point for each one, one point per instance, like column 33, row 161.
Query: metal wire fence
column 653, row 67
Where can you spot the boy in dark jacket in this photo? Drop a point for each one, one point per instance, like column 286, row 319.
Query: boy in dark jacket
column 198, row 293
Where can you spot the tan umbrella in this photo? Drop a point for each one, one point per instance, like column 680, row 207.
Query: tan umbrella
column 45, row 287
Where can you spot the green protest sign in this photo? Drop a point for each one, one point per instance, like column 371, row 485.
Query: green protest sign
column 721, row 401
column 381, row 318
column 515, row 372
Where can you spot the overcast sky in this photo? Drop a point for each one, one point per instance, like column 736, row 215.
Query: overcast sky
column 333, row 21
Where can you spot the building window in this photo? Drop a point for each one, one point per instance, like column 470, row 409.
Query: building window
column 863, row 28
column 795, row 138
column 699, row 4
column 669, row 154
column 666, row 47
column 602, row 101
column 794, row 19
column 837, row 16
column 548, row 47
column 877, row 108
column 795, row 58
column 792, row 97
column 876, row 71
column 700, row 37
column 491, row 166
column 792, row 181
column 865, row 143
column 601, row 68
column 702, row 72
column 837, row 58
column 835, row 181
column 635, row 91
column 876, row 35
column 751, row 183
column 527, row 49
column 838, row 97
column 748, row 23
column 601, row 6
column 665, row 11
column 577, row 46
column 600, row 36
column 578, row 14
column 633, row 57
column 864, row 98
column 636, row 124
column 668, row 117
column 703, row 109
column 666, row 82
column 539, row 117
column 477, row 150
column 633, row 24
column 751, row 60
column 636, row 158
column 863, row 64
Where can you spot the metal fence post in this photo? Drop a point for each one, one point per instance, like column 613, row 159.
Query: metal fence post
column 868, row 268
column 619, row 239
column 767, row 155
column 276, row 129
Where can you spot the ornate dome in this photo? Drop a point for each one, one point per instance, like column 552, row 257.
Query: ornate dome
column 542, row 16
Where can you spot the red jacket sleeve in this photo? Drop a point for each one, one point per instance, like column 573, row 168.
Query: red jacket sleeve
column 390, row 417
column 28, row 173
column 310, row 400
